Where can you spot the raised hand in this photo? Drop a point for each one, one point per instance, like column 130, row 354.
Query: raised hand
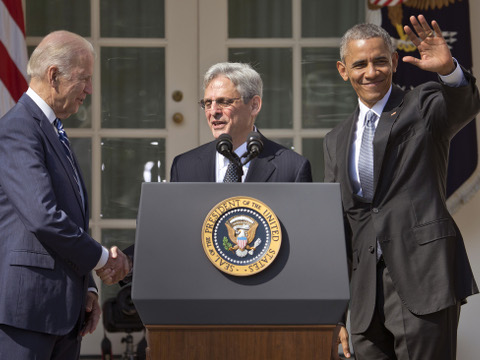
column 435, row 55
column 116, row 268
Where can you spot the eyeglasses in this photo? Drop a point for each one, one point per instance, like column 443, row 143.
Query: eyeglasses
column 221, row 102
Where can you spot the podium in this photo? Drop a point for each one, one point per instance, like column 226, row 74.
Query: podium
column 193, row 310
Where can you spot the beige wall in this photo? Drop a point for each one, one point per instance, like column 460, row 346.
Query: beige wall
column 468, row 219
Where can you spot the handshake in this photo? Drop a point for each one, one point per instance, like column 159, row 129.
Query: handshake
column 117, row 267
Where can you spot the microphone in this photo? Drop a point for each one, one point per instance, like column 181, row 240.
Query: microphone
column 225, row 145
column 254, row 146
column 254, row 143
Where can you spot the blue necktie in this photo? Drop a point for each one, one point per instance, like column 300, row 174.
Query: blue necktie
column 365, row 161
column 62, row 135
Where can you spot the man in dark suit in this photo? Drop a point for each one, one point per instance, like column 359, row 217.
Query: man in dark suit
column 48, row 295
column 409, row 268
column 232, row 100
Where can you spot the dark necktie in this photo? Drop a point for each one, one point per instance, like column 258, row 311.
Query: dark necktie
column 232, row 174
column 62, row 135
column 365, row 161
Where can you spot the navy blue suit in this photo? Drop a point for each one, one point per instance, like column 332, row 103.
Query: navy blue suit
column 46, row 254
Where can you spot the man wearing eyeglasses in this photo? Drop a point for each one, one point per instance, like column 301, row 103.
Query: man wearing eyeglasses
column 232, row 100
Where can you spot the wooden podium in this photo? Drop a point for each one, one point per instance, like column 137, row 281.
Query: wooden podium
column 193, row 310
column 239, row 342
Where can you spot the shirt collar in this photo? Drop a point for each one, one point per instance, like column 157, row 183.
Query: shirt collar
column 377, row 108
column 239, row 151
column 46, row 109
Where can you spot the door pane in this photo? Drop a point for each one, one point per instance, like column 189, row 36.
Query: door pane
column 259, row 19
column 330, row 18
column 312, row 149
column 44, row 16
column 326, row 98
column 133, row 90
column 275, row 67
column 117, row 20
column 126, row 164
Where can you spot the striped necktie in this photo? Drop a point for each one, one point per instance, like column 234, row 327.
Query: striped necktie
column 365, row 161
column 62, row 135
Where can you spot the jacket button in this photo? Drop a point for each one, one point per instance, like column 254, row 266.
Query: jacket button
column 371, row 249
column 375, row 210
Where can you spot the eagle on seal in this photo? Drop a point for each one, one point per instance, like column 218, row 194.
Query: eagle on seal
column 241, row 231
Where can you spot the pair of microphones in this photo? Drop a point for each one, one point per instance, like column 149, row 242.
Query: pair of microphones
column 254, row 148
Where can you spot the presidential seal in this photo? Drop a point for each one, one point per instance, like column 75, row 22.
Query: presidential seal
column 241, row 236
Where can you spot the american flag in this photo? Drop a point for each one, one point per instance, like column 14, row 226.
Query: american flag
column 13, row 54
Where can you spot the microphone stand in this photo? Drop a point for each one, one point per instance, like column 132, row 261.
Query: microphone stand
column 225, row 147
column 254, row 148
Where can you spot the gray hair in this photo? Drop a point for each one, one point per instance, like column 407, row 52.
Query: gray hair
column 247, row 81
column 364, row 32
column 61, row 49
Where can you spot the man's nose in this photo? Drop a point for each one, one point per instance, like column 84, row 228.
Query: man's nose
column 371, row 70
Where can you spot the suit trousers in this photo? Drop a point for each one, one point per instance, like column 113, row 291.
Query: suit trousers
column 23, row 344
column 395, row 333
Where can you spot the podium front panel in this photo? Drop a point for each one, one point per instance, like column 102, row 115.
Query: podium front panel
column 175, row 283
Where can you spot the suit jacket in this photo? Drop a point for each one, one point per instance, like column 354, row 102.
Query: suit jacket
column 422, row 246
column 46, row 256
column 274, row 164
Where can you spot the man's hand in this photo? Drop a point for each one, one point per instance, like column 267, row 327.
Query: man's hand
column 93, row 312
column 435, row 55
column 340, row 336
column 116, row 268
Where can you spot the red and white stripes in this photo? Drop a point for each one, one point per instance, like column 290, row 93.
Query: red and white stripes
column 13, row 54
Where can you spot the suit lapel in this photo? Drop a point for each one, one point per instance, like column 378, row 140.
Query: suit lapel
column 52, row 137
column 262, row 168
column 206, row 164
column 343, row 150
column 382, row 133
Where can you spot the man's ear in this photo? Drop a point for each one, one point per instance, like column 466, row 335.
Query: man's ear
column 256, row 105
column 342, row 70
column 52, row 76
column 394, row 61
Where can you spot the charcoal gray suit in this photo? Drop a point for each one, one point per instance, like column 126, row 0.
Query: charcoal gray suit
column 423, row 249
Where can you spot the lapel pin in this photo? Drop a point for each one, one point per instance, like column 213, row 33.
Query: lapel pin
column 393, row 113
